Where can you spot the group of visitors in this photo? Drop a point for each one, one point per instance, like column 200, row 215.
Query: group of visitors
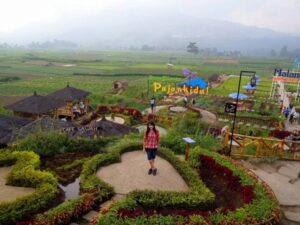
column 78, row 112
column 294, row 117
column 185, row 101
column 295, row 137
column 290, row 114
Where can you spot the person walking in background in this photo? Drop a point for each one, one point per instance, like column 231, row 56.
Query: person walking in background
column 286, row 112
column 81, row 107
column 185, row 101
column 291, row 119
column 151, row 141
column 193, row 101
column 296, row 117
column 75, row 111
column 152, row 104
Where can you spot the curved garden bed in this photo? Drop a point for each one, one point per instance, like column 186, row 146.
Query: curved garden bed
column 256, row 203
column 24, row 174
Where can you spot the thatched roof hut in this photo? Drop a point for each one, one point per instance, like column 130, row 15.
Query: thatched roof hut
column 43, row 124
column 56, row 104
column 9, row 124
column 214, row 78
column 108, row 128
column 35, row 104
column 68, row 94
column 120, row 84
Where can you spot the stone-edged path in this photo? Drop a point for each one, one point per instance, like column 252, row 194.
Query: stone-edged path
column 132, row 173
column 284, row 179
column 11, row 193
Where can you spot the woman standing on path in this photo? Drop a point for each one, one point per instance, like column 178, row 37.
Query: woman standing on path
column 151, row 141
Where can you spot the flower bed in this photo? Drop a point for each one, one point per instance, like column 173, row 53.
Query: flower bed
column 24, row 174
column 259, row 205
column 117, row 110
column 63, row 213
column 135, row 113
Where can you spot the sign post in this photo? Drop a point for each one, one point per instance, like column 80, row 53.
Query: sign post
column 237, row 101
column 188, row 141
column 230, row 107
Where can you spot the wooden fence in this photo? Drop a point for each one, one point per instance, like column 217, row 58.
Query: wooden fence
column 265, row 147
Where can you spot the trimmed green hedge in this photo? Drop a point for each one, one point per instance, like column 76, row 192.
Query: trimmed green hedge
column 50, row 143
column 24, row 174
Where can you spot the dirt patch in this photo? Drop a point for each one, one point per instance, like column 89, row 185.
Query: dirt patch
column 10, row 193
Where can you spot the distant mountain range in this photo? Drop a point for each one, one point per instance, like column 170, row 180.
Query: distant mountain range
column 170, row 31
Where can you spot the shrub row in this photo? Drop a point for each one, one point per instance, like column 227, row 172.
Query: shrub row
column 24, row 173
column 50, row 143
column 263, row 207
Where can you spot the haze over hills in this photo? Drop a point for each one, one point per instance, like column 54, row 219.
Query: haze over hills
column 161, row 30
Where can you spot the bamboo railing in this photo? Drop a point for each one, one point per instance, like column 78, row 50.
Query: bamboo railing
column 284, row 149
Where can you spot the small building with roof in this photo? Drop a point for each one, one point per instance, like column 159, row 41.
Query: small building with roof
column 120, row 85
column 57, row 104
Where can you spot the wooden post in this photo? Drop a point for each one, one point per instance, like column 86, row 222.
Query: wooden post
column 257, row 152
column 187, row 151
column 281, row 149
column 226, row 139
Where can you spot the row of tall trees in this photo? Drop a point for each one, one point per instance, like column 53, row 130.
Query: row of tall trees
column 193, row 48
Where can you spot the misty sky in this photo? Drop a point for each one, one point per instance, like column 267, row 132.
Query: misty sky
column 37, row 18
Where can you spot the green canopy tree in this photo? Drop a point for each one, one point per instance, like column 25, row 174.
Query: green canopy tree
column 192, row 48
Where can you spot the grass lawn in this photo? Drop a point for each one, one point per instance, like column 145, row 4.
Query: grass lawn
column 45, row 71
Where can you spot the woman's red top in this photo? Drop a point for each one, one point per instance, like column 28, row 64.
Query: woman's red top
column 152, row 140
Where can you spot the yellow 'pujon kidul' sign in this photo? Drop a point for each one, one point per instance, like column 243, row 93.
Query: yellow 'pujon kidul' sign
column 169, row 89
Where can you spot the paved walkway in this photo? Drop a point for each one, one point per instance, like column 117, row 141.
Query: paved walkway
column 132, row 173
column 207, row 116
column 10, row 193
column 284, row 179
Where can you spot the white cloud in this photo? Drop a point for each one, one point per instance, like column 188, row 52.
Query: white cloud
column 280, row 15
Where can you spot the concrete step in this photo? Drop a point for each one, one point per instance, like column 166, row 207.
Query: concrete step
column 90, row 215
column 112, row 200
